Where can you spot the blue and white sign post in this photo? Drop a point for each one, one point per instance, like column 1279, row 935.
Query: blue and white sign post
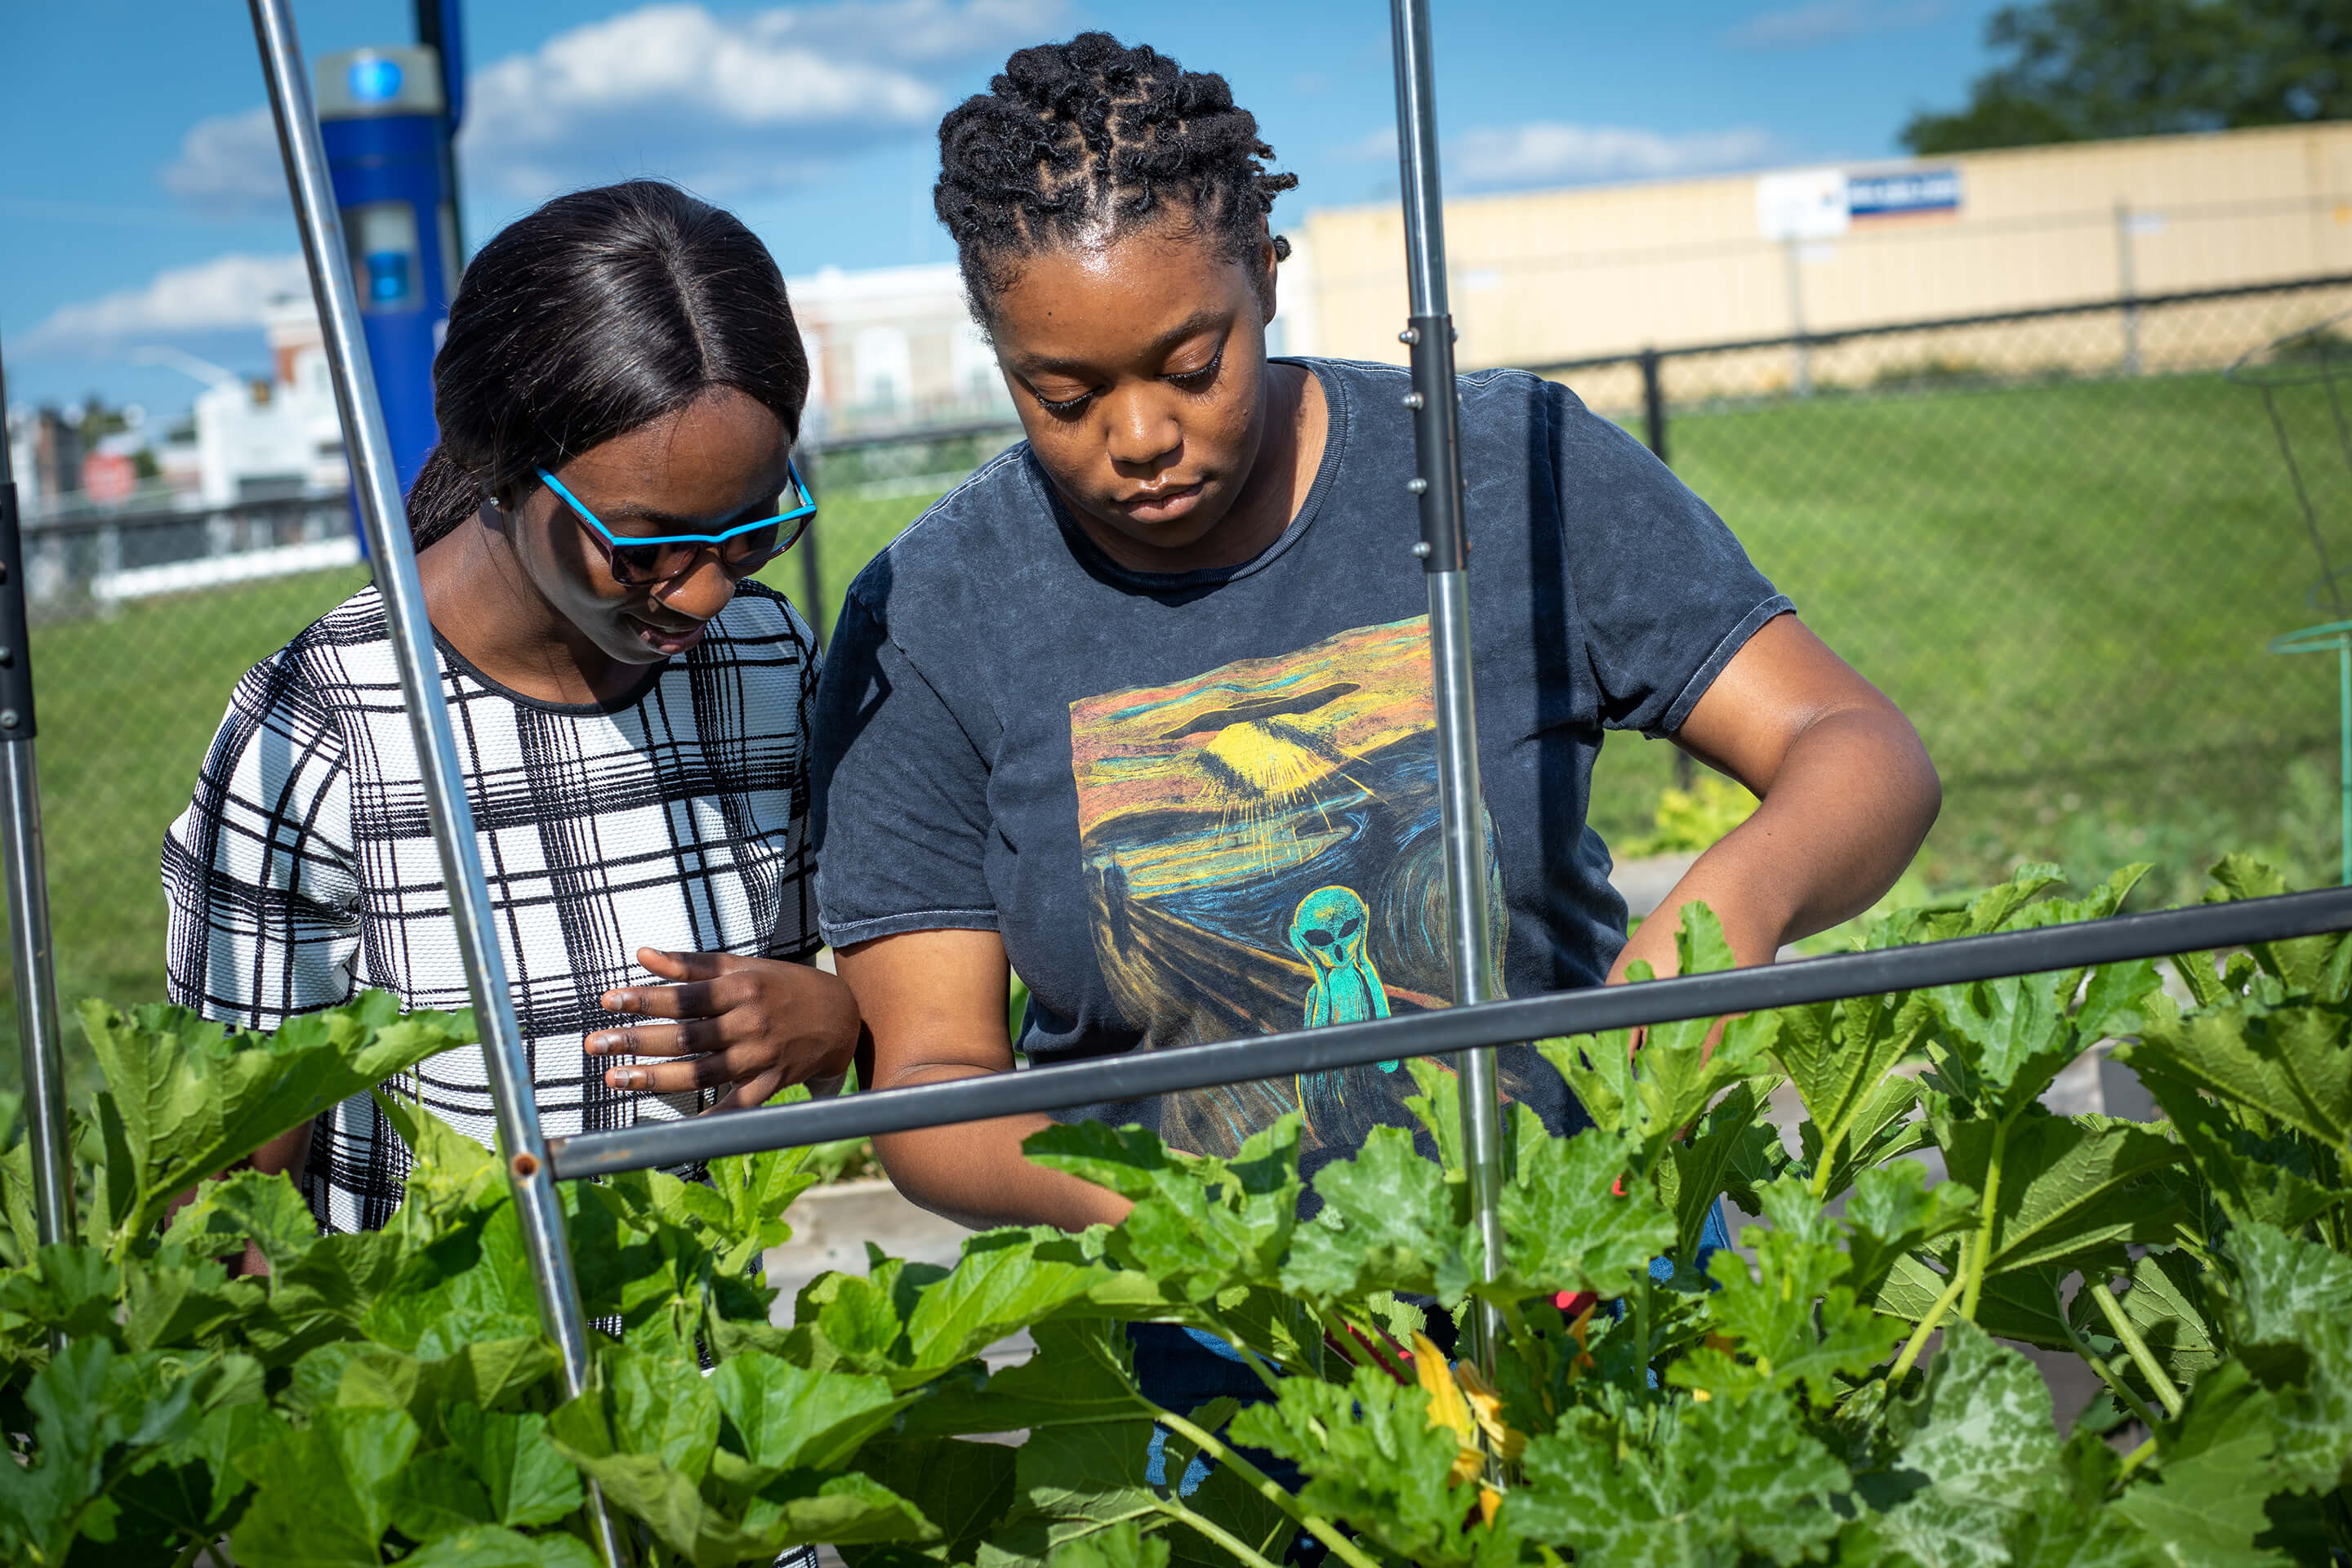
column 384, row 114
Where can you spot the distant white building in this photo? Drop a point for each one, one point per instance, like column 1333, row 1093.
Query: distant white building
column 21, row 461
column 277, row 438
column 891, row 346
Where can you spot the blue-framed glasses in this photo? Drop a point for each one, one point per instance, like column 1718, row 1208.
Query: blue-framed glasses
column 637, row 561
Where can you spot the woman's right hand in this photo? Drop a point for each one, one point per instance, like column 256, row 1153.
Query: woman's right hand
column 934, row 1004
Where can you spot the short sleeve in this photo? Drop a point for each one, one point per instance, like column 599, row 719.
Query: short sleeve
column 1667, row 596
column 259, row 878
column 901, row 810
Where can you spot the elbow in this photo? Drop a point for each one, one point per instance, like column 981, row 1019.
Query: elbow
column 1927, row 785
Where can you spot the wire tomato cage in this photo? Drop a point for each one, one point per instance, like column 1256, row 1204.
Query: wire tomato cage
column 1469, row 1031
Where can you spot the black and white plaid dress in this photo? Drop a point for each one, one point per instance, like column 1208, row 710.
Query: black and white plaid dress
column 304, row 870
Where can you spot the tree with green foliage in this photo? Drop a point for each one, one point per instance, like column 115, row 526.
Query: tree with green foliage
column 2079, row 70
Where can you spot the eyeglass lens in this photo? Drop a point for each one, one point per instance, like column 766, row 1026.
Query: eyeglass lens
column 742, row 554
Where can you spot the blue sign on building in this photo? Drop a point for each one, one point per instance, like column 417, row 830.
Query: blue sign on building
column 1903, row 192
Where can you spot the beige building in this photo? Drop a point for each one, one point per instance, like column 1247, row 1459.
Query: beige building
column 890, row 346
column 1546, row 276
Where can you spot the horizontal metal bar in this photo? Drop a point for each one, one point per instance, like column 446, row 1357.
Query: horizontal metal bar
column 1142, row 1074
column 1948, row 323
column 84, row 522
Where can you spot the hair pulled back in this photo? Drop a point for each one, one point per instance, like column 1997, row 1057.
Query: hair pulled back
column 1081, row 140
column 598, row 313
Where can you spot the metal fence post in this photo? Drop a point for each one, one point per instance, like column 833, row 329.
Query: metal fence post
column 1654, row 406
column 811, row 573
column 1444, row 553
column 28, row 886
column 2127, row 286
column 1800, row 354
column 1653, row 424
column 383, row 516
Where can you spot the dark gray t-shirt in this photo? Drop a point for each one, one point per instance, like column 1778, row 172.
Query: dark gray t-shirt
column 1203, row 806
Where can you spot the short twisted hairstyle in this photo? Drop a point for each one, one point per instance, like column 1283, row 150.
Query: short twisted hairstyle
column 1080, row 142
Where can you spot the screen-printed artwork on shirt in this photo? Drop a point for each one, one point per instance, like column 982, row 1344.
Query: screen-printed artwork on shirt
column 1262, row 852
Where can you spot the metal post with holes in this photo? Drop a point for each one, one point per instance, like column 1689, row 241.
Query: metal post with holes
column 1444, row 553
column 384, row 518
column 28, row 886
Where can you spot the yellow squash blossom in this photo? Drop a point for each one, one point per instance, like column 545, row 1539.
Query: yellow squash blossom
column 1464, row 1404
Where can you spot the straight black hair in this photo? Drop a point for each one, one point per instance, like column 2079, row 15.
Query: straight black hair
column 598, row 313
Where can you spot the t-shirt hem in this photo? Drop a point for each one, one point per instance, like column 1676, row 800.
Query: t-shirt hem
column 845, row 934
column 1733, row 641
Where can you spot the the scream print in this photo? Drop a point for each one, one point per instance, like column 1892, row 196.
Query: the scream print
column 1262, row 853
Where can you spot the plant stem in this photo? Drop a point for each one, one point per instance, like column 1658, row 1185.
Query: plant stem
column 1217, row 1534
column 1981, row 1257
column 1250, row 1358
column 2106, row 1373
column 2120, row 1389
column 2141, row 1356
column 1346, row 1551
column 195, row 1548
column 1918, row 1339
column 2136, row 1457
column 1824, row 1161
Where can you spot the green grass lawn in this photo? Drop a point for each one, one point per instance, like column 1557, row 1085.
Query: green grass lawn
column 2068, row 587
column 126, row 705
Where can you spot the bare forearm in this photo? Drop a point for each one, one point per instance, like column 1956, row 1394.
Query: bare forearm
column 1847, row 809
column 976, row 1174
column 286, row 1152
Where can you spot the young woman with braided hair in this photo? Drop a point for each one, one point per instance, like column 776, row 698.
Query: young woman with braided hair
column 1143, row 707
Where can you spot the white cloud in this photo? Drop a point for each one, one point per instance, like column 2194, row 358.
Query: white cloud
column 224, row 294
column 730, row 104
column 727, row 104
column 228, row 166
column 1828, row 21
column 1549, row 151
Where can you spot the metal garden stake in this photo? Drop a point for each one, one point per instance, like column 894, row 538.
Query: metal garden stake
column 1444, row 553
column 385, row 522
column 28, row 887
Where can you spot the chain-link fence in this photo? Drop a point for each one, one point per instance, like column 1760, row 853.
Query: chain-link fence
column 2062, row 542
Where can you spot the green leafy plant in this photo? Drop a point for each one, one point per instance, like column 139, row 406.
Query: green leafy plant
column 389, row 1398
column 1690, row 820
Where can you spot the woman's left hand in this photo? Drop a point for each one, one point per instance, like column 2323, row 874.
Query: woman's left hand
column 754, row 1024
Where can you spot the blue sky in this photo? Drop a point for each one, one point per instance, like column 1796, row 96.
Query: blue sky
column 141, row 202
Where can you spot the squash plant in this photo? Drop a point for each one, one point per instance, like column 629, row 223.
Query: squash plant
column 389, row 1398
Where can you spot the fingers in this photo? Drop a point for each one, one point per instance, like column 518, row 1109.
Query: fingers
column 696, row 999
column 753, row 1091
column 686, row 1074
column 685, row 965
column 689, row 1039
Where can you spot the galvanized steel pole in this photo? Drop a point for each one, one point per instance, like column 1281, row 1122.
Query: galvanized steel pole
column 28, row 884
column 1444, row 553
column 384, row 518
